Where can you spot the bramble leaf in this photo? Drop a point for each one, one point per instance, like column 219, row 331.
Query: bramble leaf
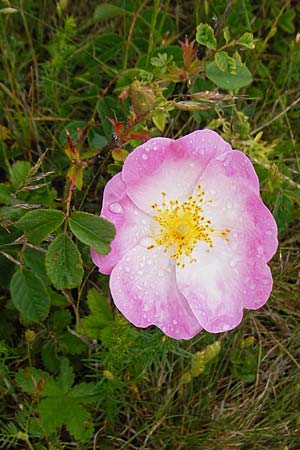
column 39, row 223
column 92, row 230
column 63, row 263
column 29, row 295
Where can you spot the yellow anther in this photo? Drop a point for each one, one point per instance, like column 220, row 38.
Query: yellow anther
column 182, row 226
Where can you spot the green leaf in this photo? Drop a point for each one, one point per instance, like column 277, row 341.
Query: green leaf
column 107, row 11
column 226, row 34
column 283, row 211
column 39, row 223
column 20, row 171
column 84, row 392
column 99, row 306
column 246, row 40
column 95, row 140
column 205, row 36
column 72, row 128
column 92, row 230
column 227, row 80
column 66, row 376
column 221, row 59
column 159, row 121
column 30, row 379
column 52, row 412
column 101, row 315
column 78, row 421
column 63, row 263
column 108, row 107
column 5, row 198
column 35, row 260
column 286, row 20
column 29, row 295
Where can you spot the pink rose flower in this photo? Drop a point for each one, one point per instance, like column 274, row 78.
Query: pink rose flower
column 193, row 236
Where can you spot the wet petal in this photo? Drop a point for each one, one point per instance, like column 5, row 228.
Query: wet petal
column 231, row 184
column 144, row 289
column 171, row 166
column 223, row 281
column 131, row 224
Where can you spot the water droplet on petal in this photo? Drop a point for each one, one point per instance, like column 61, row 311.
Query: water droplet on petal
column 226, row 327
column 174, row 322
column 260, row 249
column 144, row 156
column 234, row 262
column 115, row 208
column 229, row 205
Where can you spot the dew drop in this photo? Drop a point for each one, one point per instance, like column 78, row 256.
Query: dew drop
column 144, row 156
column 229, row 205
column 260, row 250
column 126, row 268
column 174, row 322
column 226, row 327
column 233, row 263
column 115, row 208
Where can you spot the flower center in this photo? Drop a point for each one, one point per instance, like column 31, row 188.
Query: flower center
column 183, row 225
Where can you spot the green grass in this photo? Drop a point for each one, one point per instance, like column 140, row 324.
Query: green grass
column 66, row 66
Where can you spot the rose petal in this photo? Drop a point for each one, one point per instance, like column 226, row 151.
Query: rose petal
column 131, row 224
column 223, row 281
column 231, row 183
column 171, row 166
column 143, row 287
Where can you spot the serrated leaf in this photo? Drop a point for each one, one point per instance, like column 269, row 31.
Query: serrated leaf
column 29, row 295
column 107, row 11
column 101, row 315
column 30, row 379
column 92, row 230
column 78, row 421
column 66, row 376
column 226, row 80
column 39, row 223
column 63, row 263
column 35, row 260
column 99, row 306
column 246, row 40
column 52, row 412
column 205, row 36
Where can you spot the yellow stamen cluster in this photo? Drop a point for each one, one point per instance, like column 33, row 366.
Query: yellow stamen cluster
column 182, row 226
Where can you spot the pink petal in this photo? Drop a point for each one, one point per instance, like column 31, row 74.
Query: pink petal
column 231, row 183
column 171, row 166
column 130, row 222
column 233, row 275
column 143, row 287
